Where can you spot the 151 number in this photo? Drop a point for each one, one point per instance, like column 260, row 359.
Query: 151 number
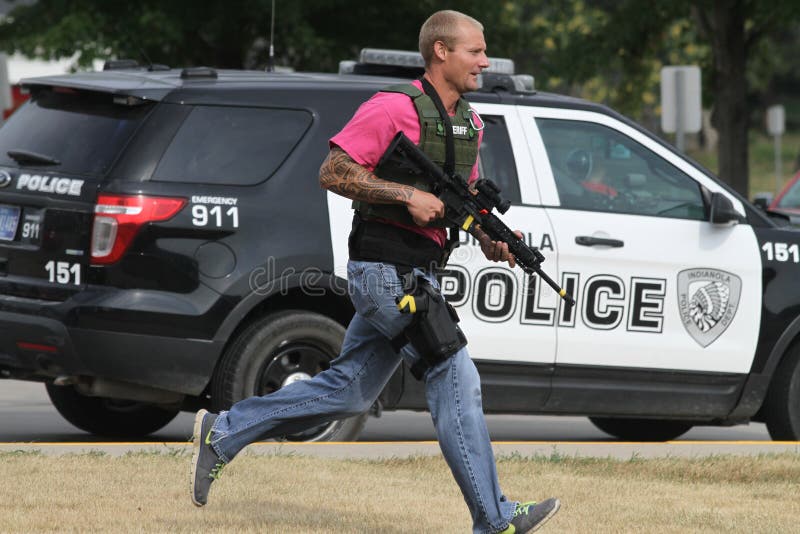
column 63, row 272
column 781, row 252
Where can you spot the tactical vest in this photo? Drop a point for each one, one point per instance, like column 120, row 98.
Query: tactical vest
column 432, row 142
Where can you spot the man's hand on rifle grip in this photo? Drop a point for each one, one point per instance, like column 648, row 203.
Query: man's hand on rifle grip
column 494, row 250
column 424, row 207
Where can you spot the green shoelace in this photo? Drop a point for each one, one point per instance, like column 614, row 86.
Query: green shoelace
column 217, row 471
column 523, row 508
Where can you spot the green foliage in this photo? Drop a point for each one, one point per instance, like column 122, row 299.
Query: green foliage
column 176, row 32
column 309, row 34
column 609, row 51
column 604, row 50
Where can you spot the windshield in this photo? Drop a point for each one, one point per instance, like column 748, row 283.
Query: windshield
column 82, row 132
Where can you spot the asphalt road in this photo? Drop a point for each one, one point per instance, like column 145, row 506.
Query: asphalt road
column 26, row 415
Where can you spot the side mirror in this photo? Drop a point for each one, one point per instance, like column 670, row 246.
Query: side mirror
column 762, row 200
column 722, row 210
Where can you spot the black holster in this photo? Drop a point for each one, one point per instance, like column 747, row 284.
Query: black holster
column 434, row 330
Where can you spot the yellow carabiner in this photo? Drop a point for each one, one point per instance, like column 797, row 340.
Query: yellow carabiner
column 408, row 301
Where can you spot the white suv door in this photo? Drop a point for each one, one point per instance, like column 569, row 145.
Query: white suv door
column 504, row 317
column 657, row 285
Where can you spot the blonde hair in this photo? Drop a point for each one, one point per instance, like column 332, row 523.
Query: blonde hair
column 442, row 26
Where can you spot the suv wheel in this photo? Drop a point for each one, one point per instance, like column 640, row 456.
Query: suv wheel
column 782, row 406
column 109, row 417
column 279, row 349
column 641, row 429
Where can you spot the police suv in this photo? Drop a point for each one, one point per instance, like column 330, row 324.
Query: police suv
column 165, row 245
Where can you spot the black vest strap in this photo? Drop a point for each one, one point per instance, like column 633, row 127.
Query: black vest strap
column 450, row 151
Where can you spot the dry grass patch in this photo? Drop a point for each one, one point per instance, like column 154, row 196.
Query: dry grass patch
column 148, row 492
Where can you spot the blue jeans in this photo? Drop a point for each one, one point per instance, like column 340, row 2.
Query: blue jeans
column 356, row 378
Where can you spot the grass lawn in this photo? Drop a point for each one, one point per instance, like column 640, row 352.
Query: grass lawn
column 149, row 492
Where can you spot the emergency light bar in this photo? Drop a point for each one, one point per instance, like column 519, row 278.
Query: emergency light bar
column 405, row 63
column 406, row 58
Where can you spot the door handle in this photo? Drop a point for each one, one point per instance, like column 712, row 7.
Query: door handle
column 589, row 241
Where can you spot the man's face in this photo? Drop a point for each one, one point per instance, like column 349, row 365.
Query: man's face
column 466, row 59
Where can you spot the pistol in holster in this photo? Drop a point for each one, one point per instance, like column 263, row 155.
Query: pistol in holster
column 434, row 329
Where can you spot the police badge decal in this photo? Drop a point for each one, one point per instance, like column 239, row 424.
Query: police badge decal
column 707, row 302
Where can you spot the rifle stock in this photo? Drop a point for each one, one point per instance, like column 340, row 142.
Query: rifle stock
column 470, row 210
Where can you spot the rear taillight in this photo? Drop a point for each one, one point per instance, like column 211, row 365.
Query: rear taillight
column 118, row 218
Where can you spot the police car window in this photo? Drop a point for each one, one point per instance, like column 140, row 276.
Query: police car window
column 84, row 133
column 496, row 159
column 597, row 168
column 230, row 145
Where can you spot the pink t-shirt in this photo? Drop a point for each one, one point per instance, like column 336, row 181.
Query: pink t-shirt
column 368, row 134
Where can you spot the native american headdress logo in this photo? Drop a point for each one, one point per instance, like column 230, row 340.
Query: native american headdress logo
column 707, row 302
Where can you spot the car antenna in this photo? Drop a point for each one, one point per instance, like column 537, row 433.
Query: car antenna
column 271, row 60
column 146, row 57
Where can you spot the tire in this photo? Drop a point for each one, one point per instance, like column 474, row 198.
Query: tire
column 109, row 417
column 278, row 349
column 782, row 405
column 641, row 429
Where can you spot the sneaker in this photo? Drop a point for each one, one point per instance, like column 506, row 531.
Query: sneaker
column 206, row 465
column 529, row 516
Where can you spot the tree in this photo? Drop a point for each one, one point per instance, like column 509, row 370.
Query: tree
column 146, row 30
column 629, row 40
column 723, row 23
column 605, row 50
column 309, row 34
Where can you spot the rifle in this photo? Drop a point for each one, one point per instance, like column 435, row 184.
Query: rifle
column 470, row 209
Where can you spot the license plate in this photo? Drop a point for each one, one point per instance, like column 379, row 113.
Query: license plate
column 9, row 219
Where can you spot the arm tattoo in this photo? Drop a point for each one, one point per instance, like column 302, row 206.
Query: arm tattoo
column 340, row 174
